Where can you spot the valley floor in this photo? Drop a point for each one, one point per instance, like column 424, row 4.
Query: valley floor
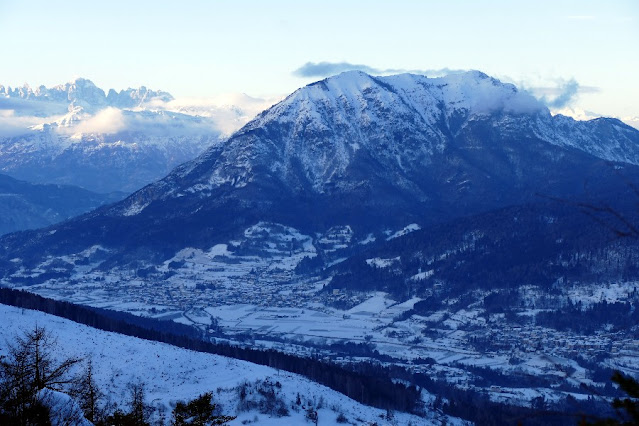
column 248, row 292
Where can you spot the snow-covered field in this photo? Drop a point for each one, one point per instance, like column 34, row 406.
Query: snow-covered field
column 249, row 289
column 171, row 374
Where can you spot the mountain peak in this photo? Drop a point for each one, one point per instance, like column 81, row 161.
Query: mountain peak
column 355, row 96
column 81, row 81
column 475, row 74
column 83, row 92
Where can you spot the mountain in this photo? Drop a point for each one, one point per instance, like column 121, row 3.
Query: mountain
column 83, row 92
column 76, row 134
column 449, row 226
column 369, row 152
column 29, row 206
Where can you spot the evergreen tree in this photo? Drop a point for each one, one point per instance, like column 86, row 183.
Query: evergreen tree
column 88, row 394
column 198, row 412
column 139, row 413
column 29, row 368
column 311, row 415
column 627, row 408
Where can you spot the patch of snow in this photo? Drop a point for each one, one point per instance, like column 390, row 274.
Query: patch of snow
column 406, row 230
column 378, row 262
column 422, row 275
column 134, row 208
column 219, row 250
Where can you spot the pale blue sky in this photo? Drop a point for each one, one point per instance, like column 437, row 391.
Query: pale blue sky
column 203, row 48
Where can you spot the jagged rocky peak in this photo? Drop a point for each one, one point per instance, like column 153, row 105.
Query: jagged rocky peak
column 23, row 92
column 130, row 98
column 83, row 92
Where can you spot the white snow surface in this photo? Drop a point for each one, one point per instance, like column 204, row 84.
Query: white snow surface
column 378, row 262
column 62, row 408
column 406, row 230
column 171, row 374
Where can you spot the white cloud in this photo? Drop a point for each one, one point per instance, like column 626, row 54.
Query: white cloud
column 631, row 121
column 13, row 125
column 555, row 93
column 220, row 115
column 107, row 121
column 226, row 112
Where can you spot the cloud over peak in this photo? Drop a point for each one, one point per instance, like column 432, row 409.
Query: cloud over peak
column 562, row 95
column 327, row 69
column 80, row 108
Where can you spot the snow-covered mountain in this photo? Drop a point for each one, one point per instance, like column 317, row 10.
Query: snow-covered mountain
column 356, row 133
column 82, row 92
column 369, row 152
column 371, row 204
column 76, row 134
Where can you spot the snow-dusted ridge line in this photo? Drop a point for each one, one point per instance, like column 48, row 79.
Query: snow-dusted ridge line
column 82, row 91
column 353, row 112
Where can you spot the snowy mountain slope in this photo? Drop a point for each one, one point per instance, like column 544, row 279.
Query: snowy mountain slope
column 28, row 206
column 172, row 374
column 75, row 134
column 606, row 138
column 354, row 131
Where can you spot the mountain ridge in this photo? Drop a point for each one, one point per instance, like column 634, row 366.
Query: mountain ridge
column 83, row 92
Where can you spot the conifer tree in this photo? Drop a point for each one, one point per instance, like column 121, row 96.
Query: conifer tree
column 198, row 412
column 30, row 367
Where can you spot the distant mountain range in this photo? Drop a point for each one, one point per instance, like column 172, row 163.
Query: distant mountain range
column 371, row 153
column 76, row 134
column 82, row 92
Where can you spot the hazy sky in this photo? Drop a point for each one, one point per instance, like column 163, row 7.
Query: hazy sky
column 203, row 48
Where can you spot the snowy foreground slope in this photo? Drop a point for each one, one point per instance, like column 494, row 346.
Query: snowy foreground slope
column 172, row 374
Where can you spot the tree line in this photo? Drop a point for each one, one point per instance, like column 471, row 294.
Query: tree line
column 375, row 388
